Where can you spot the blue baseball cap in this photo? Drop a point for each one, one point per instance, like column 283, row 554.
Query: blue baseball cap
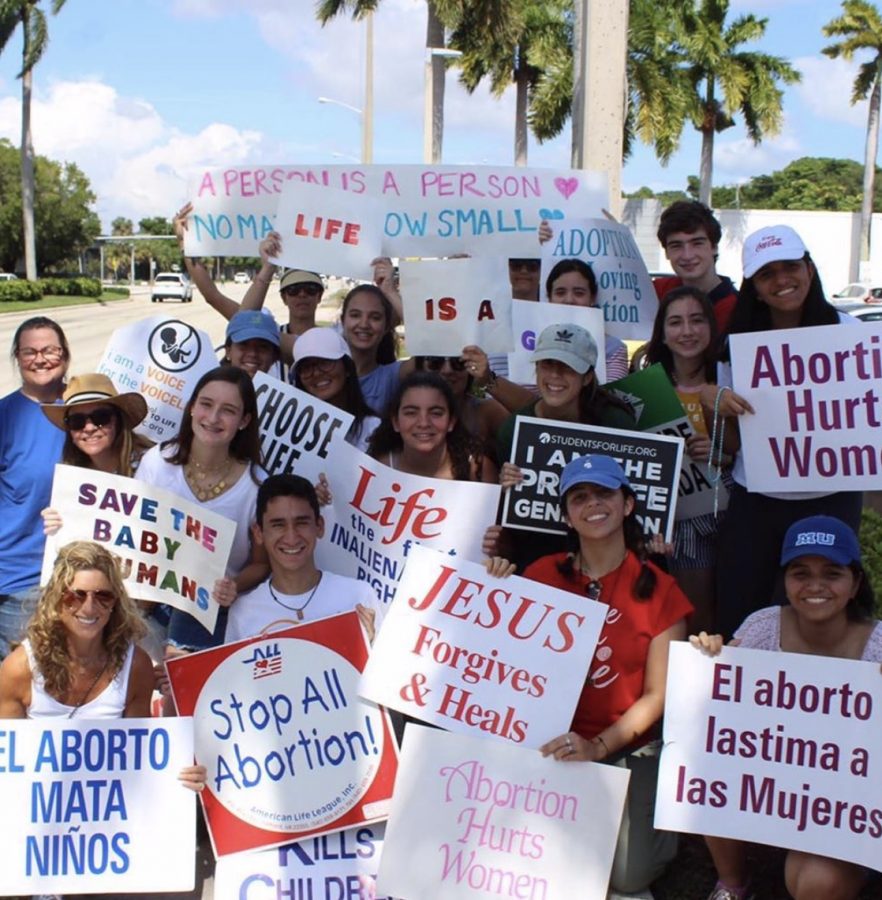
column 821, row 536
column 593, row 469
column 251, row 324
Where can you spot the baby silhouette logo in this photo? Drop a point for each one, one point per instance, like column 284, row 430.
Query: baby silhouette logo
column 174, row 345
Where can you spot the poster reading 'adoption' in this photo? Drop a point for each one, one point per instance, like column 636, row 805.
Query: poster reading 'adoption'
column 502, row 658
column 542, row 448
column 291, row 750
column 173, row 550
column 475, row 818
column 96, row 806
column 426, row 210
column 776, row 748
column 818, row 407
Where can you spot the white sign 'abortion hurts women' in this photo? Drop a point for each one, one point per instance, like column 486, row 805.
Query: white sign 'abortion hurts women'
column 776, row 748
column 499, row 657
column 474, row 818
column 818, row 402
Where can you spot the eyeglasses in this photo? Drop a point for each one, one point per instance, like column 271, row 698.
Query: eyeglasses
column 100, row 418
column 75, row 598
column 51, row 354
column 311, row 290
column 436, row 363
column 593, row 590
column 531, row 265
column 314, row 364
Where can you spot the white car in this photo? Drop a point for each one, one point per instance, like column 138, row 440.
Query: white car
column 5, row 276
column 171, row 285
column 856, row 293
column 241, row 278
column 866, row 312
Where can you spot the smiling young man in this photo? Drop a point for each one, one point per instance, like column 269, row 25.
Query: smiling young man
column 288, row 526
column 690, row 235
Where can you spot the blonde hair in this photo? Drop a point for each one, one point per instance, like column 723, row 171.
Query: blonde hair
column 47, row 633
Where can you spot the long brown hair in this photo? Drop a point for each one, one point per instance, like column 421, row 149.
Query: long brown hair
column 47, row 633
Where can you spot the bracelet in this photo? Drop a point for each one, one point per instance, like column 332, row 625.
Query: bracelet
column 490, row 383
column 602, row 742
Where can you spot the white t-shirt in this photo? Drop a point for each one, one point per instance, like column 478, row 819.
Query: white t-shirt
column 238, row 503
column 259, row 612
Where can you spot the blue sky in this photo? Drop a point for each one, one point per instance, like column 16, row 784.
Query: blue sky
column 140, row 93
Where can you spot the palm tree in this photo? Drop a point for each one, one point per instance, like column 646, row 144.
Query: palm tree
column 539, row 33
column 725, row 80
column 487, row 15
column 861, row 27
column 35, row 34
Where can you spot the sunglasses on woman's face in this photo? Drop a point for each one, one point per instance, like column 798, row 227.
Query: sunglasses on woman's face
column 436, row 363
column 76, row 598
column 306, row 287
column 100, row 418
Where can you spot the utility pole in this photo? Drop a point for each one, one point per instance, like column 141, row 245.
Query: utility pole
column 599, row 90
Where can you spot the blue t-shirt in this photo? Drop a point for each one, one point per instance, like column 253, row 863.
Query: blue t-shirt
column 30, row 446
column 379, row 386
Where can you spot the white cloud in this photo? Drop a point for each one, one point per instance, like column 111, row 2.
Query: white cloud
column 740, row 159
column 137, row 165
column 826, row 89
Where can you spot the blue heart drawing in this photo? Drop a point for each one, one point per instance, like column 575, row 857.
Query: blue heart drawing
column 551, row 214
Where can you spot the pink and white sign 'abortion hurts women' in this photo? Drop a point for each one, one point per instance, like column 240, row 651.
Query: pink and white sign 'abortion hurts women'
column 474, row 818
column 427, row 210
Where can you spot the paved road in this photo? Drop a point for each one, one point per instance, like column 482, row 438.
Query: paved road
column 88, row 328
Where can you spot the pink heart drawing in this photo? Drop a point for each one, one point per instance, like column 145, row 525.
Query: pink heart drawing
column 567, row 186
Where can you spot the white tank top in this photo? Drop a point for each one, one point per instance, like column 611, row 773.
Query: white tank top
column 109, row 704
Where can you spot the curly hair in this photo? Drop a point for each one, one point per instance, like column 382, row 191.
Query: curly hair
column 46, row 630
column 689, row 217
column 635, row 541
column 657, row 351
column 130, row 447
column 465, row 451
column 245, row 446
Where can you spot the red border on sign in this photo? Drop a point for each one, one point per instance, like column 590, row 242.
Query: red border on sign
column 342, row 634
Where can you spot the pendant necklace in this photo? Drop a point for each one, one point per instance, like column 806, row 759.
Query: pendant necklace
column 295, row 609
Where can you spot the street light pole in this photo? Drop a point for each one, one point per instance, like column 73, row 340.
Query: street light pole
column 367, row 115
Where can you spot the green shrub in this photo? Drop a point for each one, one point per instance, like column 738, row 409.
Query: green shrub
column 117, row 291
column 20, row 290
column 71, row 287
column 871, row 552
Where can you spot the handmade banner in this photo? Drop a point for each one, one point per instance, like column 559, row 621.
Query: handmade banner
column 529, row 319
column 659, row 409
column 173, row 550
column 428, row 210
column 162, row 359
column 328, row 230
column 542, row 447
column 333, row 866
column 299, row 433
column 495, row 820
column 291, row 750
column 93, row 805
column 773, row 748
column 451, row 303
column 624, row 288
column 818, row 407
column 379, row 515
column 498, row 657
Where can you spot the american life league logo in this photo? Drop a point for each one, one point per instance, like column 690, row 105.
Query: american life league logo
column 541, row 449
column 265, row 661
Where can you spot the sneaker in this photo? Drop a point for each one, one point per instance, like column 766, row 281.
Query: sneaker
column 724, row 892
